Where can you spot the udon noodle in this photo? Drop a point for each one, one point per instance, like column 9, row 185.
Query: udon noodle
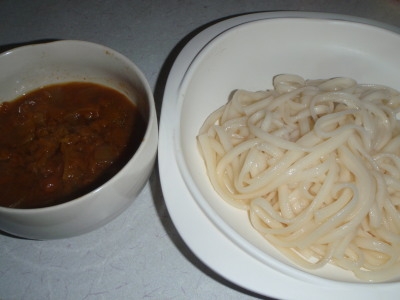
column 316, row 163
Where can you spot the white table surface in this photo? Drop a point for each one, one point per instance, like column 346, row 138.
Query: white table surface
column 139, row 255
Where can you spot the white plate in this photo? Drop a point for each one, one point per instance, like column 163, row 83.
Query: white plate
column 309, row 44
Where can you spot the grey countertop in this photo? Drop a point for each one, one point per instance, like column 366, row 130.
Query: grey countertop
column 139, row 254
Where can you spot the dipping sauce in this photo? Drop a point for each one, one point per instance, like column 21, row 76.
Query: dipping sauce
column 61, row 141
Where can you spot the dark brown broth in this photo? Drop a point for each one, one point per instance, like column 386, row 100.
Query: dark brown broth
column 62, row 141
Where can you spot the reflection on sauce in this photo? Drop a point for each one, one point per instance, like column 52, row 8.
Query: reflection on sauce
column 61, row 141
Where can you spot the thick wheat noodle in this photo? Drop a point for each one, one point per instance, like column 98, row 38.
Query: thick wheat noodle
column 316, row 163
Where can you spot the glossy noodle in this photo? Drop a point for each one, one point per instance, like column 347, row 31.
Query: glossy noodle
column 316, row 163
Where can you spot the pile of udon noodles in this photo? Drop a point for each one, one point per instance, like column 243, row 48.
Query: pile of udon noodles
column 317, row 165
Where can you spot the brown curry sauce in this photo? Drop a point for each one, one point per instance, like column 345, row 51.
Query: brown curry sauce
column 62, row 141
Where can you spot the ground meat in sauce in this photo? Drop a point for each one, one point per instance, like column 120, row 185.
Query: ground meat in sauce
column 61, row 141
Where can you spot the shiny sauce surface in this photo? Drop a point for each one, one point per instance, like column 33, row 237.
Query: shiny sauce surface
column 62, row 141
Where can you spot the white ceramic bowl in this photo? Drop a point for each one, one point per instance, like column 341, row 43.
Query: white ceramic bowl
column 30, row 67
column 246, row 53
column 239, row 59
